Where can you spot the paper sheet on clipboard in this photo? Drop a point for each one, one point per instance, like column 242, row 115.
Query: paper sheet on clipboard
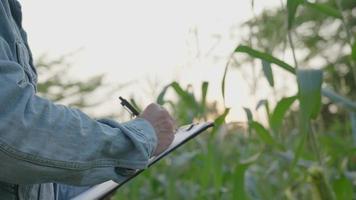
column 184, row 134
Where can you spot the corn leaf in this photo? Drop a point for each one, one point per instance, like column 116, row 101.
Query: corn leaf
column 264, row 56
column 325, row 9
column 204, row 91
column 336, row 98
column 160, row 99
column 343, row 188
column 186, row 96
column 292, row 7
column 280, row 110
column 304, row 126
column 267, row 70
column 321, row 186
column 264, row 134
column 239, row 191
column 353, row 126
column 248, row 114
column 220, row 120
column 135, row 105
column 309, row 94
column 223, row 82
column 353, row 54
column 339, row 100
column 309, row 85
column 262, row 102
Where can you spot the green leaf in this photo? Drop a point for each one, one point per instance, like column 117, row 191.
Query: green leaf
column 292, row 6
column 264, row 134
column 322, row 189
column 265, row 104
column 160, row 98
column 353, row 54
column 239, row 191
column 339, row 100
column 309, row 85
column 343, row 188
column 223, row 82
column 262, row 102
column 204, row 91
column 267, row 70
column 309, row 94
column 248, row 114
column 264, row 56
column 220, row 120
column 135, row 105
column 353, row 125
column 280, row 110
column 300, row 147
column 325, row 9
column 186, row 96
column 326, row 92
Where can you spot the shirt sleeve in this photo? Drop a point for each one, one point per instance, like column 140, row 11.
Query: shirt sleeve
column 44, row 142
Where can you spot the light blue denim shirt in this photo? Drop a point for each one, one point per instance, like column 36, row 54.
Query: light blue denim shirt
column 42, row 143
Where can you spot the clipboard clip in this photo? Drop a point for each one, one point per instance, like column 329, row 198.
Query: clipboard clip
column 190, row 126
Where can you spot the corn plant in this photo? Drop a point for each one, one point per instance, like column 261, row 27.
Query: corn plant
column 302, row 151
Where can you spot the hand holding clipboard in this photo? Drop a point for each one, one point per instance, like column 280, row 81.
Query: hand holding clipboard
column 183, row 134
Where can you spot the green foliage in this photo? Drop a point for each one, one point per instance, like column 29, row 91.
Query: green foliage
column 321, row 187
column 220, row 120
column 188, row 106
column 264, row 134
column 280, row 111
column 204, row 90
column 325, row 9
column 353, row 125
column 309, row 86
column 292, row 7
column 249, row 115
column 353, row 53
column 264, row 56
column 305, row 152
column 267, row 70
column 223, row 82
column 343, row 188
column 55, row 84
column 239, row 178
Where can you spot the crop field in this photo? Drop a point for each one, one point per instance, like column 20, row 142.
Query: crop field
column 306, row 149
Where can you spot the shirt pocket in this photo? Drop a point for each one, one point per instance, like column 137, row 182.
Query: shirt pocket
column 23, row 58
column 8, row 191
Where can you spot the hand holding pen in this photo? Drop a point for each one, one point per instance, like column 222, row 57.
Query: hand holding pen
column 161, row 121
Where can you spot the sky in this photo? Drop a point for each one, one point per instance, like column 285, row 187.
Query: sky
column 147, row 42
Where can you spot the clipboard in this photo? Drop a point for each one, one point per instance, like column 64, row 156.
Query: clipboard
column 183, row 135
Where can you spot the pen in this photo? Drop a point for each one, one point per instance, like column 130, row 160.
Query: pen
column 127, row 105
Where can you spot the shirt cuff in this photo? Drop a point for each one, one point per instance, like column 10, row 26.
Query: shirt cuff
column 138, row 127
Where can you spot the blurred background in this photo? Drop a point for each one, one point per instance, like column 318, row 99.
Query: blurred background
column 278, row 78
column 144, row 45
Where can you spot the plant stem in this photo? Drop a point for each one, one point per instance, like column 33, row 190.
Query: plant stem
column 291, row 43
column 315, row 145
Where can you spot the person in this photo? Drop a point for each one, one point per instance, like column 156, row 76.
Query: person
column 45, row 148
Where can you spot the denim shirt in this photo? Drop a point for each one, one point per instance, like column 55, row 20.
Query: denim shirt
column 41, row 143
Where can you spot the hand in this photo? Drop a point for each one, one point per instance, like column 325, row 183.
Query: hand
column 163, row 124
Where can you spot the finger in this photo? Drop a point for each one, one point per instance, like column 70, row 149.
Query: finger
column 169, row 115
column 160, row 107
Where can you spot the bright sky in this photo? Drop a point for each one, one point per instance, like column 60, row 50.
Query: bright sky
column 145, row 40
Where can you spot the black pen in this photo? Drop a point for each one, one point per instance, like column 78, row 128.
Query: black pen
column 130, row 107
